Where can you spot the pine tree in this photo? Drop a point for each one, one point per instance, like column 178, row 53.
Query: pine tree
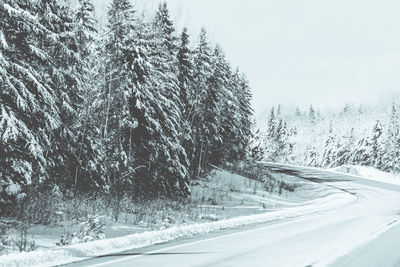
column 284, row 142
column 143, row 125
column 271, row 137
column 85, row 27
column 376, row 149
column 395, row 159
column 272, row 123
column 185, row 74
column 65, row 79
column 256, row 146
column 278, row 111
column 392, row 146
column 330, row 153
column 166, row 27
column 360, row 154
column 112, row 113
column 311, row 157
column 298, row 112
column 171, row 117
column 245, row 112
column 216, row 101
column 345, row 149
column 201, row 126
column 90, row 168
column 28, row 110
column 124, row 74
column 312, row 115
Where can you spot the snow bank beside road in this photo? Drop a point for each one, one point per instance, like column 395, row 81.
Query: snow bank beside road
column 114, row 245
column 369, row 173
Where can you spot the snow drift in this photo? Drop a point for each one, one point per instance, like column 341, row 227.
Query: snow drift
column 83, row 251
column 369, row 173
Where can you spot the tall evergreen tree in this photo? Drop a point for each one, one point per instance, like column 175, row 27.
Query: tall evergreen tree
column 28, row 107
column 346, row 148
column 245, row 112
column 256, row 145
column 85, row 27
column 57, row 16
column 90, row 168
column 185, row 74
column 312, row 115
column 330, row 153
column 376, row 149
column 112, row 113
column 171, row 116
column 202, row 126
column 270, row 142
column 392, row 145
column 124, row 73
column 271, row 123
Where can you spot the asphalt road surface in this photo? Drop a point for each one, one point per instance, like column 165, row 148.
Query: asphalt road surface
column 363, row 233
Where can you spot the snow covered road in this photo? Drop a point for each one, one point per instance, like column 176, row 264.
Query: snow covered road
column 358, row 234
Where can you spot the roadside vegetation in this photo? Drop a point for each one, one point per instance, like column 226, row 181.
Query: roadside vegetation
column 45, row 221
column 110, row 123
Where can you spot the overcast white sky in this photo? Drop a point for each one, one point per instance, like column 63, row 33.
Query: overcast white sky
column 301, row 52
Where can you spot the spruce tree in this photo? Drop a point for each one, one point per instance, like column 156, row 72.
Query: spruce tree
column 329, row 156
column 173, row 156
column 346, row 149
column 28, row 107
column 63, row 71
column 271, row 123
column 256, row 146
column 201, row 98
column 219, row 97
column 185, row 72
column 245, row 113
column 123, row 75
column 361, row 153
column 392, row 145
column 85, row 27
column 270, row 142
column 312, row 115
column 376, row 149
column 90, row 169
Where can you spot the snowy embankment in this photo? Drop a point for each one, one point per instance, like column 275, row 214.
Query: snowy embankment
column 82, row 251
column 369, row 173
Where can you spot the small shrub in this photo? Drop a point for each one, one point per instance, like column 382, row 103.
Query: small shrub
column 92, row 229
column 270, row 184
column 254, row 171
column 5, row 242
column 209, row 217
column 286, row 186
column 65, row 239
column 22, row 242
column 213, row 201
column 234, row 188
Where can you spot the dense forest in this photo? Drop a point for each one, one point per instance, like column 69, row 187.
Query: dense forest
column 129, row 109
column 367, row 135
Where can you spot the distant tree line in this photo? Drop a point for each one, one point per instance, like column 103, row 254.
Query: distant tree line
column 348, row 137
column 131, row 109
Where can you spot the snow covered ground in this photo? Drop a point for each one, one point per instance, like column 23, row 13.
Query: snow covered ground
column 369, row 173
column 359, row 233
column 233, row 201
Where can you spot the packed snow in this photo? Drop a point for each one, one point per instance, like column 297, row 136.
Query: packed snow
column 369, row 173
column 359, row 230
